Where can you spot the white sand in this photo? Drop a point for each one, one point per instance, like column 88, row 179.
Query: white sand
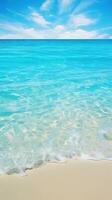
column 74, row 180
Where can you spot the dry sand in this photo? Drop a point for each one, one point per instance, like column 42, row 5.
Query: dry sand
column 74, row 180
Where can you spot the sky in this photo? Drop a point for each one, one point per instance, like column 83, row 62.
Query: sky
column 55, row 19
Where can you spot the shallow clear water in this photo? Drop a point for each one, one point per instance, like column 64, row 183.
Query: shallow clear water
column 55, row 102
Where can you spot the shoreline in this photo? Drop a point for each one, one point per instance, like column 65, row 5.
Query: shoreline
column 73, row 179
column 27, row 170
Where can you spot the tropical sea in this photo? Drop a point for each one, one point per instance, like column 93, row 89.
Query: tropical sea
column 55, row 102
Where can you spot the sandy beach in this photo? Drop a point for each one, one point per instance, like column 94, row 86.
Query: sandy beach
column 80, row 179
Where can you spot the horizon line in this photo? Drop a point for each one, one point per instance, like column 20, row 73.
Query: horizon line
column 54, row 39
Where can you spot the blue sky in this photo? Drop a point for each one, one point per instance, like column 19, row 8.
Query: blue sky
column 56, row 19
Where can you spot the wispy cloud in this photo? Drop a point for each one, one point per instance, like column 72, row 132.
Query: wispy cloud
column 82, row 20
column 84, row 4
column 106, row 28
column 64, row 5
column 39, row 19
column 46, row 5
column 19, row 31
column 15, row 13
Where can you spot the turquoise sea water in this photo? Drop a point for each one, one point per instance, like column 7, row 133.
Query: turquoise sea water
column 55, row 101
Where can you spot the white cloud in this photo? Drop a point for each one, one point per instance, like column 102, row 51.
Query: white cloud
column 24, row 35
column 59, row 28
column 73, row 27
column 83, row 5
column 46, row 5
column 79, row 34
column 81, row 20
column 19, row 31
column 62, row 32
column 39, row 19
column 64, row 4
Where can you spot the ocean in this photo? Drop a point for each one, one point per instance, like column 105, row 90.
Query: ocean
column 55, row 102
